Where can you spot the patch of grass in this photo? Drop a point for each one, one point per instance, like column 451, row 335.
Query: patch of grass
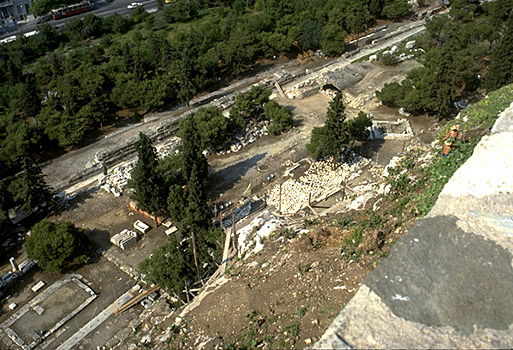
column 344, row 222
column 310, row 222
column 288, row 233
column 302, row 311
column 351, row 243
column 292, row 329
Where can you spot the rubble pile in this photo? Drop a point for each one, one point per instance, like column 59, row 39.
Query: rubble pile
column 303, row 89
column 168, row 147
column 254, row 130
column 251, row 237
column 320, row 181
column 117, row 179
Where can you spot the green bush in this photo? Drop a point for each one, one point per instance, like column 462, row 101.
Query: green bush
column 280, row 117
column 56, row 245
column 389, row 59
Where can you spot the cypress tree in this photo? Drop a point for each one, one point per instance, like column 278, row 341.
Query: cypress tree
column 146, row 180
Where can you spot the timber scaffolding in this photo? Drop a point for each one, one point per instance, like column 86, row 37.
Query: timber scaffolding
column 136, row 299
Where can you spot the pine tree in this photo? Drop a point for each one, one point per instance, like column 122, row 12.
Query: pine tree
column 336, row 136
column 192, row 152
column 54, row 245
column 146, row 180
column 500, row 71
column 330, row 139
column 30, row 189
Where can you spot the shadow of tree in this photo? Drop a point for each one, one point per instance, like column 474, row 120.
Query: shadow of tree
column 222, row 180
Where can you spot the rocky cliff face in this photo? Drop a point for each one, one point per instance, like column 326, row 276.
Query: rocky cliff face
column 447, row 282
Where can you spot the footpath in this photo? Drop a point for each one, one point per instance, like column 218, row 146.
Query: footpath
column 447, row 282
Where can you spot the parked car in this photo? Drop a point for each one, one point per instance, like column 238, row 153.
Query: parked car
column 43, row 19
column 133, row 5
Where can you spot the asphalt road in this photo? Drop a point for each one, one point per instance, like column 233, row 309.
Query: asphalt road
column 100, row 8
column 59, row 171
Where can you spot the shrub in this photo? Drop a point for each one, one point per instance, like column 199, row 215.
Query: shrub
column 56, row 245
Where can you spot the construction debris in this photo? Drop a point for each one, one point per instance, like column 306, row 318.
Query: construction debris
column 254, row 130
column 253, row 235
column 117, row 179
column 323, row 179
column 124, row 239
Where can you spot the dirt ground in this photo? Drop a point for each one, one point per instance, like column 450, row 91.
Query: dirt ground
column 288, row 293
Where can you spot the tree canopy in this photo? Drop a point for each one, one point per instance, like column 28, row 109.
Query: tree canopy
column 332, row 138
column 58, row 87
column 147, row 182
column 29, row 190
column 459, row 47
column 55, row 245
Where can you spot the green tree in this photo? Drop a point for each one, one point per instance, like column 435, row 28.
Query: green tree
column 357, row 128
column 311, row 34
column 17, row 139
column 196, row 218
column 177, row 202
column 249, row 105
column 192, row 150
column 500, row 71
column 197, row 214
column 330, row 139
column 280, row 117
column 389, row 59
column 335, row 125
column 214, row 128
column 30, row 189
column 60, row 126
column 168, row 266
column 391, row 94
column 148, row 184
column 333, row 40
column 394, row 9
column 42, row 7
column 55, row 245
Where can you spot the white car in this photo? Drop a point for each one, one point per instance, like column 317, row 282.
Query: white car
column 133, row 5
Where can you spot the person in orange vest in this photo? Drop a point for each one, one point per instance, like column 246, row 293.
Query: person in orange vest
column 449, row 140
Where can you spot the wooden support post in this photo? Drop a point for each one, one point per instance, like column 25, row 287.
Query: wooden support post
column 279, row 206
column 278, row 87
column 226, row 251
column 187, row 293
column 194, row 252
column 234, row 235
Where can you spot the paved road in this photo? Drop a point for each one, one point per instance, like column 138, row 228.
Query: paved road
column 101, row 8
column 60, row 170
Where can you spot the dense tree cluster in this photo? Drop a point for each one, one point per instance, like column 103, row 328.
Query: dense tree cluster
column 460, row 45
column 332, row 139
column 55, row 87
column 254, row 105
column 28, row 191
column 56, row 245
column 175, row 187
